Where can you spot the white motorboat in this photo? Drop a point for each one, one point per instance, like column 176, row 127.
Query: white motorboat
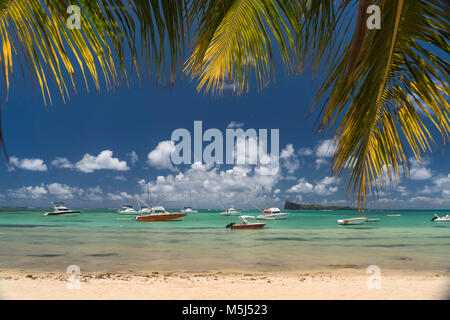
column 230, row 212
column 353, row 221
column 188, row 210
column 445, row 218
column 273, row 214
column 128, row 210
column 59, row 209
column 393, row 215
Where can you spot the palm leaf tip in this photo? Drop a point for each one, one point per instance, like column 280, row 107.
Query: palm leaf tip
column 234, row 46
column 378, row 122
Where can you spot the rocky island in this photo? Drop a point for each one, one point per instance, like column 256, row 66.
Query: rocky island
column 289, row 205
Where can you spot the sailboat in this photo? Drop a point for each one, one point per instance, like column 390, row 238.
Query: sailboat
column 129, row 210
column 189, row 209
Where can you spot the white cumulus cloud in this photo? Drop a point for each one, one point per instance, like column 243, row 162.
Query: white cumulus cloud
column 160, row 158
column 28, row 164
column 289, row 159
column 104, row 160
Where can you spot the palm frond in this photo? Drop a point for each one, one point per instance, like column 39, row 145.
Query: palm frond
column 36, row 40
column 234, row 43
column 377, row 104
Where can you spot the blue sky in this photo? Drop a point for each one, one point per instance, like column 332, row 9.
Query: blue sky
column 94, row 151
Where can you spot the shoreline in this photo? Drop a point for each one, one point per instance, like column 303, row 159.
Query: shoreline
column 339, row 283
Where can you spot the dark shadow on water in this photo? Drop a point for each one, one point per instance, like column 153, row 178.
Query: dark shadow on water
column 102, row 254
column 358, row 228
column 282, row 239
column 65, row 220
column 25, row 225
column 44, row 255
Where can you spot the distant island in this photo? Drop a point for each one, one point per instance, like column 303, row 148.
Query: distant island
column 289, row 205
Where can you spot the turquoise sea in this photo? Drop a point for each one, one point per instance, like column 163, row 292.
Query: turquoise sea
column 100, row 240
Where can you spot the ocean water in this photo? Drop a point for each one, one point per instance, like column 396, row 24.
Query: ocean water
column 100, row 240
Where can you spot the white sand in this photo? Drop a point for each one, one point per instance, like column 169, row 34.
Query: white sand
column 330, row 284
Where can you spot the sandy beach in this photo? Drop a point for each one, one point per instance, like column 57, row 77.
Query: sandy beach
column 342, row 283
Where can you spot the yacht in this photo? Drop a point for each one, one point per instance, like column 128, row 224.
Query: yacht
column 273, row 214
column 230, row 212
column 159, row 214
column 128, row 210
column 60, row 209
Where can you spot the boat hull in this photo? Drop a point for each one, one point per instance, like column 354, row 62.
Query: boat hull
column 248, row 226
column 352, row 221
column 129, row 213
column 441, row 220
column 69, row 213
column 161, row 217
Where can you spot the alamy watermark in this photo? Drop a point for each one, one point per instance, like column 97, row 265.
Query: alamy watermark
column 74, row 21
column 242, row 147
column 374, row 281
column 374, row 20
column 74, row 281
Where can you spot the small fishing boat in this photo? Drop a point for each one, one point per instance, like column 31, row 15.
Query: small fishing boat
column 393, row 215
column 159, row 214
column 128, row 210
column 353, row 221
column 59, row 209
column 273, row 214
column 245, row 224
column 230, row 212
column 436, row 218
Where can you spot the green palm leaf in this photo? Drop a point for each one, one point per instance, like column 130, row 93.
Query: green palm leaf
column 35, row 37
column 377, row 104
column 233, row 43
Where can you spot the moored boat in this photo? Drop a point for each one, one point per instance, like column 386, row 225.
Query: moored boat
column 188, row 210
column 273, row 214
column 128, row 210
column 245, row 224
column 159, row 214
column 59, row 209
column 436, row 218
column 230, row 212
column 352, row 221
